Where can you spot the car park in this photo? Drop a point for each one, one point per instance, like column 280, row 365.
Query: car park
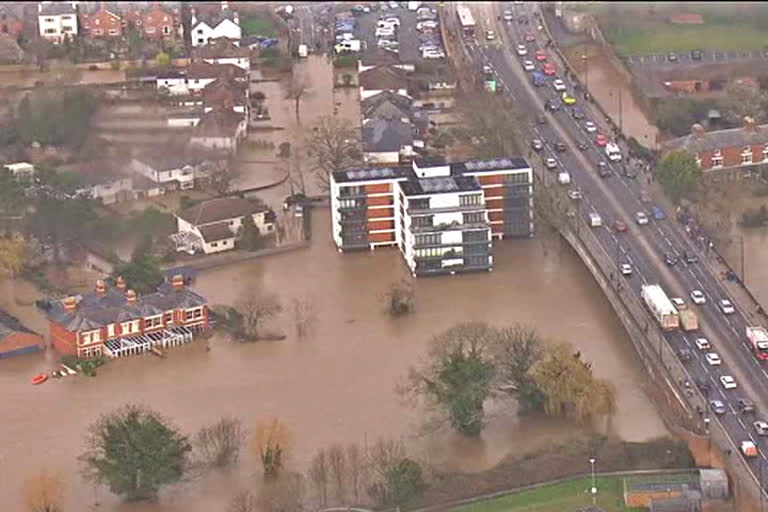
column 626, row 269
column 574, row 194
column 522, row 50
column 641, row 218
column 713, row 359
column 745, row 405
column 761, row 427
column 601, row 140
column 540, row 55
column 603, row 170
column 549, row 69
column 528, row 65
column 577, row 113
column 728, row 382
column 559, row 85
column 590, row 127
column 568, row 99
column 726, row 306
column 620, row 226
column 702, row 344
column 550, row 163
column 537, row 144
column 698, row 298
column 717, row 407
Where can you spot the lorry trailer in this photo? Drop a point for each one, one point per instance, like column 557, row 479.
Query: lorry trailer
column 660, row 306
column 688, row 320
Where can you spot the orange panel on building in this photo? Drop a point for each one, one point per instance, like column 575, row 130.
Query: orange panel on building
column 496, row 216
column 380, row 200
column 378, row 188
column 380, row 212
column 495, row 203
column 381, row 237
column 381, row 224
column 493, row 179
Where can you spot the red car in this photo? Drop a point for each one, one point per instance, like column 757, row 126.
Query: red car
column 530, row 37
column 620, row 226
column 601, row 140
column 549, row 69
column 541, row 55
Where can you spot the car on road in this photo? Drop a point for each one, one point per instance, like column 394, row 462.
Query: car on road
column 713, row 359
column 550, row 163
column 528, row 65
column 560, row 147
column 552, row 104
column 508, row 16
column 685, row 354
column 641, row 218
column 582, row 145
column 590, row 126
column 658, row 213
column 549, row 69
column 698, row 297
column 559, row 85
column 537, row 144
column 672, row 57
column 745, row 405
column 696, row 54
column 689, row 257
column 601, row 140
column 490, row 35
column 626, row 269
column 728, row 382
column 568, row 99
column 523, row 20
column 717, row 407
column 702, row 344
column 670, row 259
column 574, row 194
column 603, row 170
column 761, row 427
column 620, row 226
column 577, row 113
column 540, row 55
column 522, row 50
column 726, row 306
column 678, row 303
column 530, row 36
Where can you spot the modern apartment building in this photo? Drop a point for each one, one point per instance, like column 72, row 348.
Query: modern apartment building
column 442, row 216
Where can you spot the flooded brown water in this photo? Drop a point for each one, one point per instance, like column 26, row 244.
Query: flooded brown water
column 337, row 385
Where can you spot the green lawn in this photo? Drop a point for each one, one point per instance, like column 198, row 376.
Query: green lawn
column 259, row 24
column 664, row 38
column 568, row 496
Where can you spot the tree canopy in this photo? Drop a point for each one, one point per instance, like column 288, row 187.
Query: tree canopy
column 61, row 118
column 143, row 273
column 333, row 146
column 135, row 451
column 678, row 173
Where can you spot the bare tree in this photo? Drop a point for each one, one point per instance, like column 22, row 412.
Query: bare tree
column 293, row 167
column 244, row 501
column 333, row 146
column 318, row 473
column 356, row 467
column 283, row 494
column 337, row 469
column 298, row 88
column 44, row 492
column 270, row 442
column 304, row 315
column 220, row 174
column 400, row 298
column 397, row 479
column 219, row 444
column 256, row 307
column 496, row 123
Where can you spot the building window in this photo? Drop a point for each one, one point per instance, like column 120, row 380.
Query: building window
column 419, row 204
column 351, row 191
column 215, row 244
column 746, row 158
column 50, row 31
column 348, row 203
column 66, row 29
column 131, row 327
column 199, row 31
column 422, row 221
column 97, row 31
column 717, row 159
column 150, row 30
column 428, row 239
column 153, row 322
column 166, row 29
column 193, row 314
column 113, row 32
column 471, row 200
column 517, row 178
column 475, row 236
column 169, row 317
column 49, row 20
column 474, row 217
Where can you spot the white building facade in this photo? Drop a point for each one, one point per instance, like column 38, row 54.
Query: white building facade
column 57, row 20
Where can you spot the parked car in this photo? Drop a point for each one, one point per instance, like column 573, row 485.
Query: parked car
column 713, row 359
column 603, row 170
column 761, row 427
column 672, row 57
column 685, row 354
column 641, row 218
column 670, row 259
column 540, row 55
column 530, row 36
column 745, row 405
column 559, row 85
column 690, row 257
column 490, row 35
column 582, row 145
column 560, row 147
column 422, row 25
column 702, row 344
column 553, row 104
column 696, row 54
column 574, row 194
column 620, row 226
column 568, row 99
column 717, row 407
column 601, row 140
column 728, row 382
column 508, row 16
column 550, row 163
column 658, row 213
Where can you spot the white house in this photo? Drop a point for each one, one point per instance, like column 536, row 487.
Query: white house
column 172, row 168
column 224, row 51
column 22, row 171
column 221, row 130
column 225, row 23
column 57, row 20
column 212, row 226
column 196, row 77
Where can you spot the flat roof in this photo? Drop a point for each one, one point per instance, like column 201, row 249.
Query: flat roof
column 440, row 185
column 372, row 174
column 496, row 164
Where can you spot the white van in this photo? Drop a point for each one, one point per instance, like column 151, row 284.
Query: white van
column 613, row 152
column 303, row 50
column 564, row 178
column 594, row 220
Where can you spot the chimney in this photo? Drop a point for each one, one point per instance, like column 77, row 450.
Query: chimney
column 70, row 304
column 130, row 296
column 749, row 124
column 120, row 283
column 697, row 130
column 101, row 288
column 177, row 282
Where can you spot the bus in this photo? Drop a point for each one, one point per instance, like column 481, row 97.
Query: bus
column 466, row 21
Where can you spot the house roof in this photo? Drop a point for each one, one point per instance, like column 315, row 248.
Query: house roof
column 720, row 139
column 222, row 47
column 216, row 232
column 94, row 172
column 383, row 78
column 387, row 105
column 218, row 210
column 439, row 185
column 94, row 310
column 212, row 19
column 176, row 156
column 10, row 324
column 218, row 123
column 208, row 70
column 57, row 8
column 384, row 135
column 225, row 93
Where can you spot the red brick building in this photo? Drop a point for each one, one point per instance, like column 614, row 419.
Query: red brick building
column 102, row 23
column 115, row 321
column 155, row 22
column 10, row 24
column 725, row 149
column 15, row 339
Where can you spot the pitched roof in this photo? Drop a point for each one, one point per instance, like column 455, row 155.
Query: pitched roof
column 383, row 78
column 94, row 310
column 387, row 105
column 218, row 210
column 10, row 324
column 57, row 8
column 383, row 135
column 225, row 93
column 720, row 139
column 175, row 156
column 94, row 172
column 216, row 232
column 222, row 47
column 212, row 19
column 218, row 123
column 208, row 70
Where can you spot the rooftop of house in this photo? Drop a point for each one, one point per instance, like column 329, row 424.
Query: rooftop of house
column 218, row 123
column 208, row 70
column 96, row 310
column 386, row 135
column 225, row 93
column 10, row 324
column 387, row 105
column 94, row 172
column 220, row 48
column 176, row 156
column 110, row 8
column 213, row 18
column 383, row 78
column 699, row 140
column 439, row 185
column 218, row 210
column 57, row 8
column 216, row 232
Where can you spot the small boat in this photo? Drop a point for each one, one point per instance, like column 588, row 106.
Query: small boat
column 39, row 378
column 69, row 370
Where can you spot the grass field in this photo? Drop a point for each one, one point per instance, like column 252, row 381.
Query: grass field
column 666, row 38
column 259, row 24
column 568, row 496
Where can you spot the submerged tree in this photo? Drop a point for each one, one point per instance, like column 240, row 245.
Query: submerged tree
column 219, row 444
column 44, row 492
column 270, row 442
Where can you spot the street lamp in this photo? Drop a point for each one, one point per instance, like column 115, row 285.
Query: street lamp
column 594, row 488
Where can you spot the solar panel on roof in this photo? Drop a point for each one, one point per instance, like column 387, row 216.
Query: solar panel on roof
column 442, row 184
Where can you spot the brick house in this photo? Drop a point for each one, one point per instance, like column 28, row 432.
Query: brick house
column 116, row 321
column 10, row 24
column 15, row 338
column 155, row 22
column 725, row 149
column 102, row 23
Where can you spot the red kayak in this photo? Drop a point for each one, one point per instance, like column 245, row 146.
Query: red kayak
column 39, row 378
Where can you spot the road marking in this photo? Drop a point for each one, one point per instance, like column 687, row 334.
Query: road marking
column 740, row 421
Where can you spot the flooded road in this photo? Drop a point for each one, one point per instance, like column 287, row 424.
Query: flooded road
column 338, row 385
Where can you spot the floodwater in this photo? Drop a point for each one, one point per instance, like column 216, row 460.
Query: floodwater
column 337, row 385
